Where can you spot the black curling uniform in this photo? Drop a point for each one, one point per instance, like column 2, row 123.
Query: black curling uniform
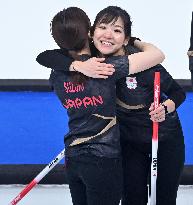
column 93, row 162
column 136, row 91
column 91, row 110
column 136, row 132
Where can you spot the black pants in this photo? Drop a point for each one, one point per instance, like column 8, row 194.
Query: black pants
column 136, row 168
column 94, row 180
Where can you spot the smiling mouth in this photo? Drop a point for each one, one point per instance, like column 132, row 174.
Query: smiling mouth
column 106, row 43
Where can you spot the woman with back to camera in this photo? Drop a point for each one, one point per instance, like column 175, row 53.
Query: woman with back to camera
column 92, row 144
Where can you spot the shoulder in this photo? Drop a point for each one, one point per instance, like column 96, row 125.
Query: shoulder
column 57, row 76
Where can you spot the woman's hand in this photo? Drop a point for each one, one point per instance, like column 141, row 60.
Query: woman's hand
column 94, row 67
column 159, row 114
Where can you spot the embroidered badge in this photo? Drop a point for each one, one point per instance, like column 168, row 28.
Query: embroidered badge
column 131, row 82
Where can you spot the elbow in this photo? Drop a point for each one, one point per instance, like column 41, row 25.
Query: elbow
column 184, row 97
column 161, row 56
column 42, row 59
column 38, row 59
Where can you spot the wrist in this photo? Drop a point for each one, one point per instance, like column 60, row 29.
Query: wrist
column 75, row 66
column 165, row 108
column 169, row 106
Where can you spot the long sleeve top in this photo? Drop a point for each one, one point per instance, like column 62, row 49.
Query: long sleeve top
column 138, row 89
column 91, row 108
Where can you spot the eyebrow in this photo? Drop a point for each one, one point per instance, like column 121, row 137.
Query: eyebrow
column 114, row 24
column 118, row 26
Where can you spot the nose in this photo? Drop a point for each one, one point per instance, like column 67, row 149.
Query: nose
column 108, row 34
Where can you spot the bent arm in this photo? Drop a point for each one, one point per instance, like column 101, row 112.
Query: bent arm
column 56, row 59
column 149, row 57
column 171, row 89
column 174, row 93
column 176, row 96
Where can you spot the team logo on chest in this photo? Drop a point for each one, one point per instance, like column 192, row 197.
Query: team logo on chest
column 131, row 82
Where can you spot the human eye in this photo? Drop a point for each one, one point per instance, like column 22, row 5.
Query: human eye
column 102, row 26
column 118, row 31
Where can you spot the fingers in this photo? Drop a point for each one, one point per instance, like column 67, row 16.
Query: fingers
column 104, row 72
column 157, row 115
column 158, row 119
column 98, row 62
column 151, row 107
column 105, row 65
column 96, row 69
column 104, row 69
column 98, row 59
column 100, row 76
column 158, row 111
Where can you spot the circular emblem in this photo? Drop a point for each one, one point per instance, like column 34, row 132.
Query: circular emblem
column 131, row 82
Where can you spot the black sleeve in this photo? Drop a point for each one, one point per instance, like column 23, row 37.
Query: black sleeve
column 132, row 49
column 54, row 75
column 169, row 86
column 121, row 64
column 176, row 94
column 56, row 59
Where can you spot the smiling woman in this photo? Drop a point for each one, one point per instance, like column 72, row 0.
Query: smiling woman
column 109, row 38
column 111, row 31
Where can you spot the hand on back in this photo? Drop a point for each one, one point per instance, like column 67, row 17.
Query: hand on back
column 94, row 67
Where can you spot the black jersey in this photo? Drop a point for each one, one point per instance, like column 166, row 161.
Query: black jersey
column 138, row 90
column 91, row 109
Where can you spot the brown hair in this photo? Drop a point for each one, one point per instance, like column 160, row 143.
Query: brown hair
column 70, row 29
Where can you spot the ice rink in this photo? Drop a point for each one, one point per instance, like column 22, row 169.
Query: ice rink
column 60, row 195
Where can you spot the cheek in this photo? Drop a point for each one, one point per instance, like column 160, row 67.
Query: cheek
column 96, row 43
column 95, row 40
column 96, row 34
column 96, row 37
column 120, row 40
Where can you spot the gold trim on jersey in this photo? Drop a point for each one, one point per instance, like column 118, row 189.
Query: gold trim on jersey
column 129, row 107
column 108, row 126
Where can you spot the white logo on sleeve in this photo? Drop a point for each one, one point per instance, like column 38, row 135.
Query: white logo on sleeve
column 131, row 82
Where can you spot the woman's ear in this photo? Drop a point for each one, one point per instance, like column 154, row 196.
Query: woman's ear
column 126, row 41
column 89, row 35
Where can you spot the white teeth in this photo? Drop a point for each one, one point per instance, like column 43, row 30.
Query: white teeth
column 106, row 43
